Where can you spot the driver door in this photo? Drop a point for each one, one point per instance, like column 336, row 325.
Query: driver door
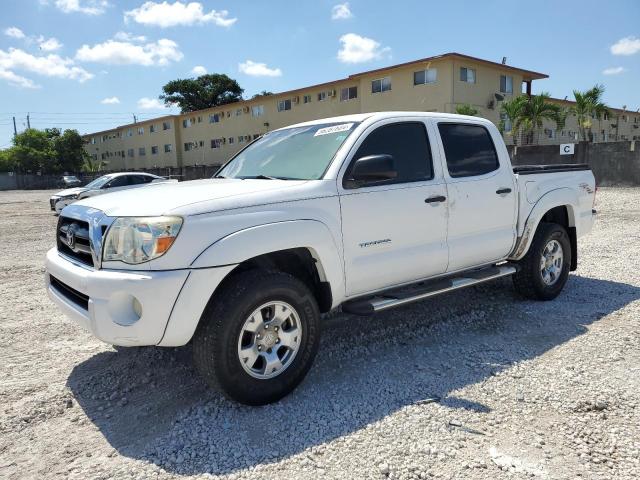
column 394, row 231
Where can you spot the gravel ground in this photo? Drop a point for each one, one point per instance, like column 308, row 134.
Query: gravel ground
column 476, row 384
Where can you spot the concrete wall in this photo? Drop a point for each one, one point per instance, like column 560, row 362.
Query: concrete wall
column 613, row 163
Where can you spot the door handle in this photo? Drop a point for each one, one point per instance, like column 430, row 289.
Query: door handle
column 438, row 199
column 500, row 191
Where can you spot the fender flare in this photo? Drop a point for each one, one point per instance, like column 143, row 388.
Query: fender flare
column 561, row 197
column 251, row 242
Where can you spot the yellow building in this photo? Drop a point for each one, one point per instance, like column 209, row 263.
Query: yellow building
column 211, row 136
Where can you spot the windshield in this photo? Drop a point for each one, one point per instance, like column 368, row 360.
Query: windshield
column 300, row 153
column 98, row 182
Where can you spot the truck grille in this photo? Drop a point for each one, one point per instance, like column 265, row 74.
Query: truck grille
column 71, row 294
column 73, row 240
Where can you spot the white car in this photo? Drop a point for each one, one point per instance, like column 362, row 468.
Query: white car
column 112, row 182
column 364, row 212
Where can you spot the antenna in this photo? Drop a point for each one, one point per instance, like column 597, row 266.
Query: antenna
column 504, row 60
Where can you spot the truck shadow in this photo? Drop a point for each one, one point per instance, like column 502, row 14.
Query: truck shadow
column 150, row 404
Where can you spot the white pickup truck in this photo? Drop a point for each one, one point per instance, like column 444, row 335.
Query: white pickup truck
column 364, row 212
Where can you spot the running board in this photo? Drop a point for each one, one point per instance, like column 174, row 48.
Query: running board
column 412, row 293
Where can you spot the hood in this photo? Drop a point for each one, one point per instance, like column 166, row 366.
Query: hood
column 69, row 191
column 197, row 196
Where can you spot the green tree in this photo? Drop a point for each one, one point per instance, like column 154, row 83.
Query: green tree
column 206, row 91
column 69, row 152
column 6, row 164
column 535, row 111
column 588, row 105
column 92, row 166
column 263, row 93
column 466, row 109
column 512, row 110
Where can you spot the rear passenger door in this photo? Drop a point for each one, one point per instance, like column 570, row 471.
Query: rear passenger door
column 391, row 233
column 482, row 199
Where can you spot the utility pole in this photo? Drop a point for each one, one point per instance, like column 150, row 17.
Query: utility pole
column 135, row 120
column 15, row 130
column 28, row 122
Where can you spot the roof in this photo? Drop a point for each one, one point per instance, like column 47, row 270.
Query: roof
column 571, row 102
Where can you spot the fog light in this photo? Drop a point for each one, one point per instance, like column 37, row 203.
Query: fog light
column 124, row 309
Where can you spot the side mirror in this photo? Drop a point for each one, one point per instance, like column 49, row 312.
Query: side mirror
column 372, row 169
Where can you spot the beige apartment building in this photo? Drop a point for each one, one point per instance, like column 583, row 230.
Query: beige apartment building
column 434, row 84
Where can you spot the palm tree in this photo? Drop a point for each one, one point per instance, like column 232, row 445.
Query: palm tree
column 588, row 105
column 512, row 111
column 466, row 109
column 535, row 111
column 91, row 166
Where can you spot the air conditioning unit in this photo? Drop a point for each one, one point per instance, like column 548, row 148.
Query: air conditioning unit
column 331, row 93
column 245, row 109
column 295, row 99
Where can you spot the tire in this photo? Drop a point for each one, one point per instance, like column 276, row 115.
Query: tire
column 530, row 280
column 224, row 330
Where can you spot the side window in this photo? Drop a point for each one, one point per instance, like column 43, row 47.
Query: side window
column 408, row 144
column 469, row 149
column 137, row 179
column 146, row 178
column 120, row 181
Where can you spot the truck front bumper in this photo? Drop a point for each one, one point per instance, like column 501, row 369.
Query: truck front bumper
column 131, row 308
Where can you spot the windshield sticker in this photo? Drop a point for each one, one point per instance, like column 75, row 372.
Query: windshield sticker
column 334, row 129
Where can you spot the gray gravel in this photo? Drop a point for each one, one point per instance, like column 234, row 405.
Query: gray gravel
column 476, row 384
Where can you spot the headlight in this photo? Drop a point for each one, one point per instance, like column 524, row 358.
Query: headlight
column 140, row 239
column 73, row 196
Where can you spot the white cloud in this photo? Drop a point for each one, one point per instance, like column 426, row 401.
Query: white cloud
column 14, row 32
column 613, row 71
column 16, row 80
column 48, row 66
column 341, row 11
column 88, row 7
column 357, row 49
column 49, row 45
column 199, row 70
column 112, row 52
column 167, row 14
column 110, row 101
column 129, row 37
column 256, row 69
column 626, row 46
column 146, row 103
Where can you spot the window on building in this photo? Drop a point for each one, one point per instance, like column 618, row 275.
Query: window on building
column 284, row 105
column 152, row 128
column 408, row 144
column 130, row 152
column 93, row 140
column 247, row 138
column 238, row 112
column 199, row 119
column 423, row 77
column 216, row 143
column 467, row 75
column 506, row 123
column 231, row 140
column 348, row 93
column 154, row 150
column 468, row 149
column 241, row 139
column 166, row 126
column 140, row 130
column 306, row 99
column 381, row 85
column 141, row 151
column 188, row 146
column 122, row 153
column 201, row 143
column 168, row 148
column 256, row 136
column 214, row 118
column 506, row 84
column 130, row 132
column 322, row 96
column 257, row 110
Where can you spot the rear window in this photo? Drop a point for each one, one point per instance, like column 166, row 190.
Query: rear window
column 468, row 149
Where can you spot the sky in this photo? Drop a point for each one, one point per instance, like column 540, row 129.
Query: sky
column 93, row 64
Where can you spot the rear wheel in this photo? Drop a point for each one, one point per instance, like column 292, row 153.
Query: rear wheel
column 258, row 337
column 544, row 270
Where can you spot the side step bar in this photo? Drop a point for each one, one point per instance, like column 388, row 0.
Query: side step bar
column 412, row 293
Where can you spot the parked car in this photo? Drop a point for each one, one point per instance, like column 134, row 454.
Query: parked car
column 112, row 182
column 69, row 181
column 366, row 212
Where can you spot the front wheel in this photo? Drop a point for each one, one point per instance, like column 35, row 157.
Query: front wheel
column 258, row 337
column 544, row 270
